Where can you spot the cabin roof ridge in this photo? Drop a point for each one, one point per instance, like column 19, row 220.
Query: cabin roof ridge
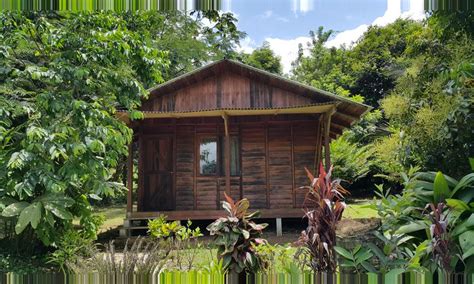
column 265, row 73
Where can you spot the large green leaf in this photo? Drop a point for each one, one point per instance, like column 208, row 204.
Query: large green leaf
column 378, row 252
column 466, row 240
column 36, row 217
column 345, row 253
column 440, row 188
column 369, row 267
column 468, row 253
column 363, row 255
column 14, row 209
column 57, row 198
column 58, row 210
column 431, row 176
column 464, row 226
column 31, row 214
column 457, row 205
column 6, row 201
column 464, row 184
column 412, row 227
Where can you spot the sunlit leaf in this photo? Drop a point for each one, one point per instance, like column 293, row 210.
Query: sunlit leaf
column 440, row 188
column 14, row 209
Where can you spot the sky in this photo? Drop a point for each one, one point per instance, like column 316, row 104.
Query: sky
column 286, row 23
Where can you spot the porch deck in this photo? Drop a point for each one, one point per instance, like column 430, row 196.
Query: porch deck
column 214, row 214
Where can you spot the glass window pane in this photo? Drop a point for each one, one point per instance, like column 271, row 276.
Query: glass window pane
column 208, row 156
column 234, row 156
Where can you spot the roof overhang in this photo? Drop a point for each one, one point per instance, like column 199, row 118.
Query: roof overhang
column 347, row 112
column 307, row 109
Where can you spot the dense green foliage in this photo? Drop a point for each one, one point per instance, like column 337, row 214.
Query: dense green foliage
column 63, row 77
column 419, row 78
column 62, row 83
column 263, row 58
column 431, row 224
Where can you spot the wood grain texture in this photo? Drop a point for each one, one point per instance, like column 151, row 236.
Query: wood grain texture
column 228, row 83
column 226, row 90
column 273, row 154
column 253, row 165
column 279, row 166
column 185, row 158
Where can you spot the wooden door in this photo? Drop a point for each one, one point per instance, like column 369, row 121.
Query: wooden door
column 158, row 174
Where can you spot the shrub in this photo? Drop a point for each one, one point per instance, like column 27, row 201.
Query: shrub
column 351, row 160
column 72, row 247
column 277, row 258
column 143, row 257
column 431, row 223
column 357, row 259
column 324, row 208
column 181, row 239
column 159, row 228
column 21, row 264
column 60, row 141
column 236, row 236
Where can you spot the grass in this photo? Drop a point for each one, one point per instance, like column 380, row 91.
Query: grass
column 360, row 210
column 113, row 216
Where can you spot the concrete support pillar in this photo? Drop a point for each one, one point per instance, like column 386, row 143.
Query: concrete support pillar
column 124, row 232
column 279, row 229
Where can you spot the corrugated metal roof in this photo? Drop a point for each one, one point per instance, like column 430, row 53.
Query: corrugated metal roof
column 347, row 111
column 333, row 103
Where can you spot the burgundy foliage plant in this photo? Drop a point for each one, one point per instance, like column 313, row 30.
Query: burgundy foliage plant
column 324, row 206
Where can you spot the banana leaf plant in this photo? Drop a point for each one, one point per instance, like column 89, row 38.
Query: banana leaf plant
column 324, row 205
column 236, row 237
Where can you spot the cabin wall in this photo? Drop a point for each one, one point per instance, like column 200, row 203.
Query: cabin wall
column 227, row 90
column 273, row 150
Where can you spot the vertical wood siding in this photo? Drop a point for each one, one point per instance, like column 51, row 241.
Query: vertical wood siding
column 280, row 168
column 226, row 90
column 273, row 152
column 185, row 159
column 253, row 165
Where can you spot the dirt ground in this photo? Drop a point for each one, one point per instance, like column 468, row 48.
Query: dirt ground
column 346, row 228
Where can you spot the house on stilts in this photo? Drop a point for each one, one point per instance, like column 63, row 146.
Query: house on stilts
column 229, row 127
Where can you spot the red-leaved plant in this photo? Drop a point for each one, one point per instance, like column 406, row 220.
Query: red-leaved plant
column 440, row 240
column 323, row 208
column 236, row 236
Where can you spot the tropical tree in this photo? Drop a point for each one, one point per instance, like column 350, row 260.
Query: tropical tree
column 263, row 58
column 63, row 80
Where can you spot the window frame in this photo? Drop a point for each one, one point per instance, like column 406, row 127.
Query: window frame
column 220, row 141
column 198, row 152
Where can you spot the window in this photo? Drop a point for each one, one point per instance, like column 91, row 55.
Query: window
column 208, row 156
column 212, row 156
column 234, row 156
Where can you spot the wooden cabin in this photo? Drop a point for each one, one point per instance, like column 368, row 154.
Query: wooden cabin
column 229, row 127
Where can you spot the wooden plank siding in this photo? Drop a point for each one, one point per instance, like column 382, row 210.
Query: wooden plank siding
column 253, row 151
column 279, row 166
column 281, row 125
column 185, row 159
column 227, row 90
column 273, row 155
